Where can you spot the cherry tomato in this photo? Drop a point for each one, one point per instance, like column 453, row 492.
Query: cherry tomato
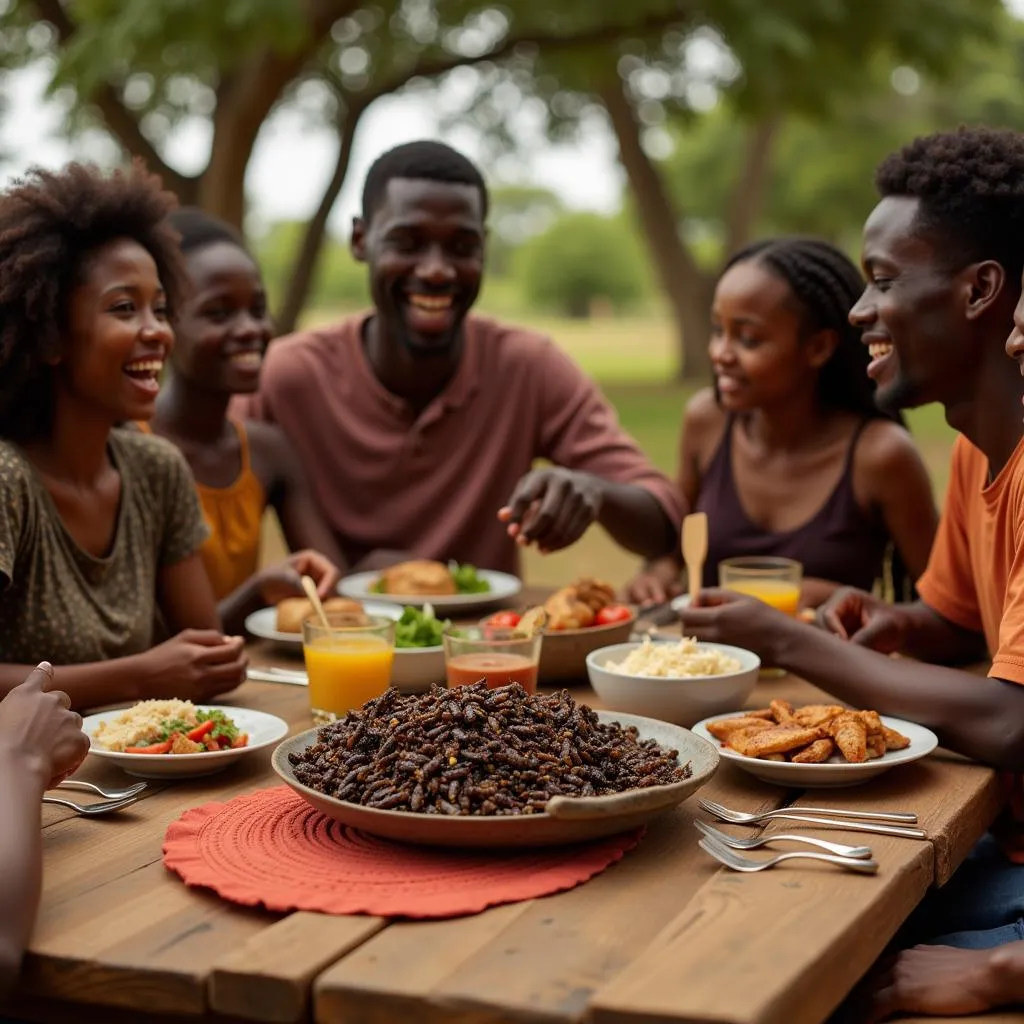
column 613, row 613
column 504, row 620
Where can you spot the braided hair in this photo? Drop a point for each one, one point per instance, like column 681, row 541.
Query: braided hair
column 51, row 222
column 825, row 285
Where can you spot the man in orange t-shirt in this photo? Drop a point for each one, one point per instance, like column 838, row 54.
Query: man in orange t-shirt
column 943, row 255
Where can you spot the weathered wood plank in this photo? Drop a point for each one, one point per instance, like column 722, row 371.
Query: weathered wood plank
column 783, row 946
column 956, row 801
column 268, row 978
column 541, row 960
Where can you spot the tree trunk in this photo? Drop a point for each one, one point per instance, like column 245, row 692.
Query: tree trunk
column 686, row 286
column 748, row 192
column 301, row 279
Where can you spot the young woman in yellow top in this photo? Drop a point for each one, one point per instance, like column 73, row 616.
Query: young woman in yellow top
column 240, row 468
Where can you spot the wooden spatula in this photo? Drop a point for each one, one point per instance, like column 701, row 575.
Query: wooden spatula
column 695, row 549
column 314, row 599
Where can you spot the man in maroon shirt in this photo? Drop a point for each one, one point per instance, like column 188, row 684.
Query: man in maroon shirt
column 419, row 422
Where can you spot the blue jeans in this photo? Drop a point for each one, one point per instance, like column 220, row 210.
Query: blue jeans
column 981, row 906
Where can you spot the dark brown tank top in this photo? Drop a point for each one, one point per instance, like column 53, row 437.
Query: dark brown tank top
column 840, row 542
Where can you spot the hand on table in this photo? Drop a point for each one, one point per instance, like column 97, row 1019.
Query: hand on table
column 946, row 981
column 277, row 582
column 38, row 727
column 552, row 508
column 864, row 619
column 196, row 665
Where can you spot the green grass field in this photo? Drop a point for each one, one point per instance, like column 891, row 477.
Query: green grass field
column 632, row 359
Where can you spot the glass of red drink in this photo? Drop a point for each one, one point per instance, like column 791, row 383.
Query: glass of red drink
column 496, row 656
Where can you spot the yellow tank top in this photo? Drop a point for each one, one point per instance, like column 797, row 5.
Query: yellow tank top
column 234, row 515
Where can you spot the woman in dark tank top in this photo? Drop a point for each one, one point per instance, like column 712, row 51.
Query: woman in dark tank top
column 787, row 453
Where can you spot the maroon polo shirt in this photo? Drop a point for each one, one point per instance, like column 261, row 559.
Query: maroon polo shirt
column 432, row 484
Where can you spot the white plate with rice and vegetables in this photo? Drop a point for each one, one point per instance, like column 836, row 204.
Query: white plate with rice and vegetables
column 158, row 739
column 678, row 681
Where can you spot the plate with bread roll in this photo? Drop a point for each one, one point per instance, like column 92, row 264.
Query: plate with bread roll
column 447, row 586
column 283, row 623
column 815, row 745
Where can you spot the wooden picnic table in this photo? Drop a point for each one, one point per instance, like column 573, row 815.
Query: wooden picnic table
column 665, row 935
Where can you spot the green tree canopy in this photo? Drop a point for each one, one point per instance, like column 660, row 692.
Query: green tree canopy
column 581, row 259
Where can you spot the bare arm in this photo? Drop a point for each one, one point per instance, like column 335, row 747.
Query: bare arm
column 932, row 638
column 186, row 596
column 22, row 783
column 41, row 742
column 702, row 430
column 635, row 519
column 979, row 717
column 89, row 685
column 890, row 472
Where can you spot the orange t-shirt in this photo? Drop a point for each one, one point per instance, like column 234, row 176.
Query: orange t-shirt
column 975, row 578
column 975, row 575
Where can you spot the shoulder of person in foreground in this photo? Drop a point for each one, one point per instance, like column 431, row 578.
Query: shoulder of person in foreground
column 290, row 363
column 41, row 742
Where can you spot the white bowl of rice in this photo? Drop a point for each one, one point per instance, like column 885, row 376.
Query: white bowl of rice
column 680, row 681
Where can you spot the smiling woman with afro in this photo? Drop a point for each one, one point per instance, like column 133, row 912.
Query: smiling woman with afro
column 99, row 526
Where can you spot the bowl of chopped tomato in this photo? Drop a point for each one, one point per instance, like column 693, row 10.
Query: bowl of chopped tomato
column 564, row 650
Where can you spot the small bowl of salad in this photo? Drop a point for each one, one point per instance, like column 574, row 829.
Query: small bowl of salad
column 419, row 652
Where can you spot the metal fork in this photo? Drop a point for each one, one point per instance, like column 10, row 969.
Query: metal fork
column 742, row 817
column 735, row 818
column 108, row 794
column 92, row 810
column 839, row 849
column 733, row 860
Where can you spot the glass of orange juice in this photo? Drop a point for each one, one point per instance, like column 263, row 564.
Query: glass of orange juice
column 347, row 665
column 776, row 581
column 497, row 656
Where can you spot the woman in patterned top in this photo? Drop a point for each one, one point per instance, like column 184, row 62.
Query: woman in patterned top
column 100, row 527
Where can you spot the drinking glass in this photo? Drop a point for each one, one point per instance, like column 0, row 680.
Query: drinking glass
column 776, row 581
column 347, row 665
column 497, row 656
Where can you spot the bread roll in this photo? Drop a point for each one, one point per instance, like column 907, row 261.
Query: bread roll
column 421, row 577
column 293, row 611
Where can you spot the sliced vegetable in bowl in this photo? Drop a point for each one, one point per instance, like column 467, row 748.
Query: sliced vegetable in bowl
column 419, row 627
column 169, row 727
column 110, row 732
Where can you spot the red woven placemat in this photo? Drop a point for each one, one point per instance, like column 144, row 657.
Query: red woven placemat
column 274, row 849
